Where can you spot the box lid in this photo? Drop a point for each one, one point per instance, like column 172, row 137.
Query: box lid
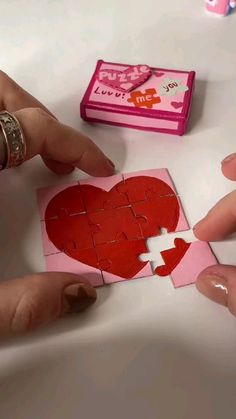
column 165, row 94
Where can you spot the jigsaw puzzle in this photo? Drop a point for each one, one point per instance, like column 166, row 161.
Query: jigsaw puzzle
column 98, row 228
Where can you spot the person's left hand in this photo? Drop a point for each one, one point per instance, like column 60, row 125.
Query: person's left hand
column 29, row 302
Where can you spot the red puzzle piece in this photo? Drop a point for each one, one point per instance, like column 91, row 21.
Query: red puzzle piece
column 67, row 202
column 161, row 212
column 87, row 256
column 97, row 199
column 115, row 225
column 141, row 188
column 122, row 259
column 172, row 257
column 70, row 232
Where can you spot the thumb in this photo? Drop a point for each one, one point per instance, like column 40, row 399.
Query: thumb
column 219, row 284
column 33, row 301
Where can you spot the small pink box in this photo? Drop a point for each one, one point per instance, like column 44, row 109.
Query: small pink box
column 140, row 97
column 220, row 7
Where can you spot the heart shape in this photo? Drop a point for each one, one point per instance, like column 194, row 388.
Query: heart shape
column 172, row 257
column 126, row 80
column 159, row 74
column 108, row 230
column 177, row 105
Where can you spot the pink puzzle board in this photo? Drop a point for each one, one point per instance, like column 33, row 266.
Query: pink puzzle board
column 98, row 228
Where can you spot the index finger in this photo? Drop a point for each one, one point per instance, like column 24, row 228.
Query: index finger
column 48, row 137
column 66, row 148
column 220, row 221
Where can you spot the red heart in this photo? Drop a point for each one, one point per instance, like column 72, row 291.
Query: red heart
column 159, row 74
column 108, row 230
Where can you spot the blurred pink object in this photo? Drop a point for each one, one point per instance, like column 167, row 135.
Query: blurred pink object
column 220, row 7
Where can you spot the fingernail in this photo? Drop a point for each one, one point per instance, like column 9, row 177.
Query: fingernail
column 111, row 163
column 78, row 297
column 228, row 158
column 215, row 288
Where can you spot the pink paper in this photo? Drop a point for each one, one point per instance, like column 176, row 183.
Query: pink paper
column 198, row 257
column 62, row 263
column 48, row 247
column 150, row 124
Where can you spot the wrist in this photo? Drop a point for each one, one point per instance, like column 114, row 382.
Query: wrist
column 3, row 150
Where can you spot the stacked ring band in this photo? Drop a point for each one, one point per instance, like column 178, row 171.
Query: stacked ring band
column 14, row 140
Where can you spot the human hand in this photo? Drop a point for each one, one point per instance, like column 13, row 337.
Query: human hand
column 219, row 282
column 29, row 302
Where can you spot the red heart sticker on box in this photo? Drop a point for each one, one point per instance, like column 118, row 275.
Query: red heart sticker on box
column 126, row 80
column 111, row 233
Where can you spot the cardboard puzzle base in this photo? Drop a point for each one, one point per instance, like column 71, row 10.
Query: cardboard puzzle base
column 98, row 228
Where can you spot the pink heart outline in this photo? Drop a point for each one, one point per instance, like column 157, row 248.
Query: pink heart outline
column 127, row 80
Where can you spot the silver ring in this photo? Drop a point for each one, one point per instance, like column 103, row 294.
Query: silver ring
column 14, row 140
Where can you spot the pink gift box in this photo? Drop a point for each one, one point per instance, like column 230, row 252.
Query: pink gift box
column 140, row 97
column 219, row 7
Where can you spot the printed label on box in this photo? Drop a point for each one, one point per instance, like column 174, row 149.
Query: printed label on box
column 158, row 85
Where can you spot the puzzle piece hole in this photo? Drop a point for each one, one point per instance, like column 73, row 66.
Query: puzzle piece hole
column 145, row 257
column 163, row 230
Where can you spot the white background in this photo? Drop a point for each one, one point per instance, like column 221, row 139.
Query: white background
column 144, row 350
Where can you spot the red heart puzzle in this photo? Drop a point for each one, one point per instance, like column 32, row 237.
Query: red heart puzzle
column 108, row 230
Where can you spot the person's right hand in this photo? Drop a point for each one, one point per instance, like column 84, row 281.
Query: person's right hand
column 219, row 282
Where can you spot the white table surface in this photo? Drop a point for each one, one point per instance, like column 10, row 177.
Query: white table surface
column 144, row 350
